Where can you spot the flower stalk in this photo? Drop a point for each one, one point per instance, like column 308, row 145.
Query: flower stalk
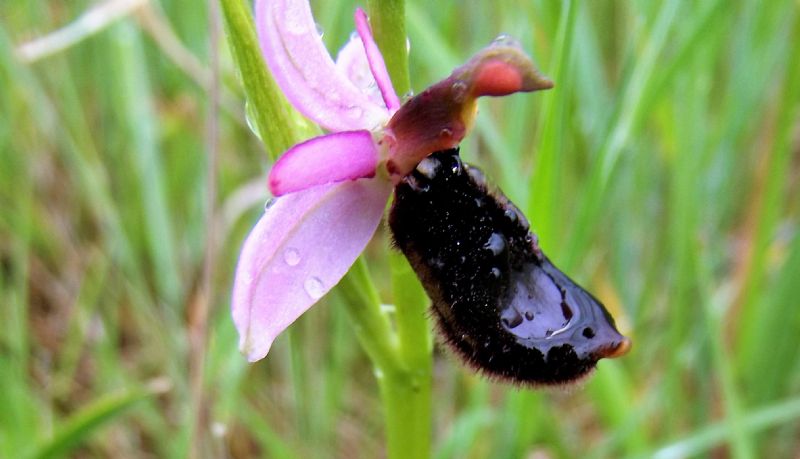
column 401, row 357
column 388, row 20
column 406, row 391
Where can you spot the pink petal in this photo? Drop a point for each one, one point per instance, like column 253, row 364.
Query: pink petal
column 325, row 159
column 376, row 63
column 305, row 72
column 352, row 62
column 300, row 249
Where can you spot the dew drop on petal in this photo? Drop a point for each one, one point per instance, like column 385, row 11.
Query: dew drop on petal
column 319, row 30
column 269, row 204
column 355, row 112
column 314, row 287
column 291, row 257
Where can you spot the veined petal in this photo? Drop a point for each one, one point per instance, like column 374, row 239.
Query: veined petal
column 299, row 249
column 325, row 159
column 352, row 62
column 376, row 63
column 305, row 71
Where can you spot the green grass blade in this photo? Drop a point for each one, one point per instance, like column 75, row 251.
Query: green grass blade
column 76, row 429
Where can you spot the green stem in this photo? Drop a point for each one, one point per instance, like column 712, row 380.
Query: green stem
column 403, row 368
column 388, row 21
column 407, row 393
column 411, row 303
column 402, row 360
column 371, row 325
column 406, row 390
column 407, row 401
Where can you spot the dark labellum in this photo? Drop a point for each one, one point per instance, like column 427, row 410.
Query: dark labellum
column 498, row 300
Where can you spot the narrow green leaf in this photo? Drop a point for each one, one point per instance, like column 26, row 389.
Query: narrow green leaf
column 77, row 428
column 704, row 439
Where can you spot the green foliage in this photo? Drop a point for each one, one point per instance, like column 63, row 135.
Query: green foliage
column 662, row 171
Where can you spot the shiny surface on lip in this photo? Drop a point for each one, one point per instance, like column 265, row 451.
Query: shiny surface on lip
column 500, row 303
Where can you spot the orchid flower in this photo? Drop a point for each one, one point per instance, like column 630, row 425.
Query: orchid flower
column 331, row 191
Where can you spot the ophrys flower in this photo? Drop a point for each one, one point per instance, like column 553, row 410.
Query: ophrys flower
column 332, row 190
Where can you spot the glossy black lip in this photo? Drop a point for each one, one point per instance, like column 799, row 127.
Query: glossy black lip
column 499, row 302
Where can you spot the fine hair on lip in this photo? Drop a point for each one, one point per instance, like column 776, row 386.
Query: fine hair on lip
column 500, row 304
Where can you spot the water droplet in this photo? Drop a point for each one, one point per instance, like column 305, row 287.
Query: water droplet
column 495, row 273
column 314, row 287
column 291, row 257
column 475, row 174
column 496, row 243
column 354, row 112
column 548, row 333
column 270, row 202
column 250, row 119
column 372, row 90
column 416, row 185
column 219, row 429
column 457, row 166
column 511, row 215
column 319, row 30
column 407, row 95
column 529, row 315
column 429, row 167
column 459, row 91
column 446, row 133
column 505, row 40
column 436, row 262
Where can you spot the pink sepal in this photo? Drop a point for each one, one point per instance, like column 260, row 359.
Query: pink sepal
column 299, row 249
column 305, row 71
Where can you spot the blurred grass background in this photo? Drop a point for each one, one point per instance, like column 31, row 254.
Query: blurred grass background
column 663, row 172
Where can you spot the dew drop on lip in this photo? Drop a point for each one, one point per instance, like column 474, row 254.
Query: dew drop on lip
column 499, row 302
